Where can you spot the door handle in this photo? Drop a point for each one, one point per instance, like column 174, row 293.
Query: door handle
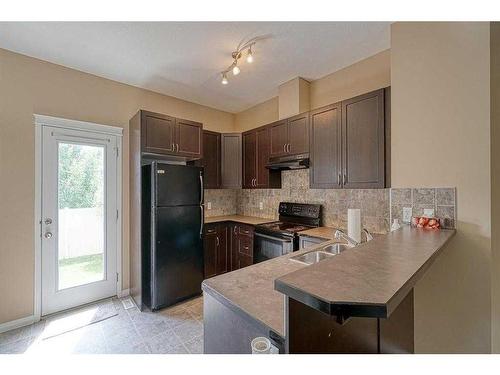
column 202, row 223
column 202, row 191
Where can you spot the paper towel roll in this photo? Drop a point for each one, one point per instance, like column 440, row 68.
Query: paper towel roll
column 354, row 224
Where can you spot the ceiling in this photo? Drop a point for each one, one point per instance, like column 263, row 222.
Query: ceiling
column 184, row 59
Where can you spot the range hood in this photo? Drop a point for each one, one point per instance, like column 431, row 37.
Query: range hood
column 289, row 162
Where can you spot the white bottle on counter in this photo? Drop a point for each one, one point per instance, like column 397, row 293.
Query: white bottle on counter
column 395, row 225
column 354, row 224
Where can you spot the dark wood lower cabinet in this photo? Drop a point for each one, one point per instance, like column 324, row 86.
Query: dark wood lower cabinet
column 210, row 251
column 311, row 331
column 227, row 247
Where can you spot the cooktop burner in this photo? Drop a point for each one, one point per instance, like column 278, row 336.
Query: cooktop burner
column 280, row 226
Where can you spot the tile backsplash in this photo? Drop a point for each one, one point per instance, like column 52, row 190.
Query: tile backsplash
column 374, row 203
column 441, row 200
column 378, row 206
column 223, row 202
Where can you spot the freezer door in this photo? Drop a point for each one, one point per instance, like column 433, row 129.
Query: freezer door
column 178, row 185
column 177, row 255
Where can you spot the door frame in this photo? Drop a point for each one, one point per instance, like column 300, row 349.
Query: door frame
column 40, row 121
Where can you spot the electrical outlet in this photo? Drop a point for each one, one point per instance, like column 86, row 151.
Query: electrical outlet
column 261, row 206
column 407, row 212
column 429, row 212
column 209, row 205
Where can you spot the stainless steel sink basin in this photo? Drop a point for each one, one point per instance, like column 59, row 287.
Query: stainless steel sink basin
column 323, row 253
column 335, row 248
column 312, row 257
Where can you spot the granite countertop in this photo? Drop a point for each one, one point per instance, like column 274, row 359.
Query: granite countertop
column 251, row 220
column 320, row 232
column 370, row 279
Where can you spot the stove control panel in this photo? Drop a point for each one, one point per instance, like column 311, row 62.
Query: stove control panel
column 305, row 210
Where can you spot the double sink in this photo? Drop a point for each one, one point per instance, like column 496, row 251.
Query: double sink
column 326, row 252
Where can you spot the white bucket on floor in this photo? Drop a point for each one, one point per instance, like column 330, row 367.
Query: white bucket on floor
column 261, row 345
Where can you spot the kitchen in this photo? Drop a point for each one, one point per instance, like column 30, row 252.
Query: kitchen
column 302, row 210
column 299, row 166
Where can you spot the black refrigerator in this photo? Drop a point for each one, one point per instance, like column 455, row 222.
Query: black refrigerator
column 172, row 229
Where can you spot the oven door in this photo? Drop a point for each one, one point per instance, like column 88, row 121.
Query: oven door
column 268, row 247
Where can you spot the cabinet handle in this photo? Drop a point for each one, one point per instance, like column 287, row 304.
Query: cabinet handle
column 289, row 147
column 284, row 147
column 217, row 238
column 177, row 147
column 344, row 179
column 338, row 180
column 234, row 229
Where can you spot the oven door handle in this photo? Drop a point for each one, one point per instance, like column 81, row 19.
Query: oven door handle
column 272, row 238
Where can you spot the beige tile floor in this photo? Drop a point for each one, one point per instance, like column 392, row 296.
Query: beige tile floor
column 178, row 329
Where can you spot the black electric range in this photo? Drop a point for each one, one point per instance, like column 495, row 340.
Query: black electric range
column 281, row 237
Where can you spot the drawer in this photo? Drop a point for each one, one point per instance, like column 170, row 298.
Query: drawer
column 246, row 230
column 245, row 245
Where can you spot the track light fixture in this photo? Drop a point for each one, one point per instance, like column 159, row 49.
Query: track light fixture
column 236, row 55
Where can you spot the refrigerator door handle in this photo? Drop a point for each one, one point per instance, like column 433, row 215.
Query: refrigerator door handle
column 202, row 192
column 202, row 220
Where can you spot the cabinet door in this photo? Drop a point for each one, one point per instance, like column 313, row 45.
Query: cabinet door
column 279, row 137
column 210, row 251
column 363, row 141
column 158, row 133
column 231, row 160
column 298, row 134
column 249, row 159
column 188, row 135
column 211, row 159
column 234, row 247
column 222, row 253
column 262, row 155
column 325, row 156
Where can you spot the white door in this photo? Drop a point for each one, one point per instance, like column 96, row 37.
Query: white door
column 79, row 217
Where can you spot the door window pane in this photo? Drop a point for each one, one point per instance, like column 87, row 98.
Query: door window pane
column 81, row 227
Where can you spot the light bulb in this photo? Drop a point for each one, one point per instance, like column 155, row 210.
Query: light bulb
column 249, row 56
column 236, row 70
column 224, row 79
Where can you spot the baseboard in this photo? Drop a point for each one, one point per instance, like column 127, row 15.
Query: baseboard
column 124, row 293
column 18, row 323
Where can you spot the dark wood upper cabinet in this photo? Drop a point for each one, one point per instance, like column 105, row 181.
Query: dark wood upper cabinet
column 290, row 136
column 298, row 134
column 231, row 160
column 348, row 143
column 211, row 161
column 249, row 159
column 158, row 133
column 279, row 137
column 256, row 152
column 188, row 138
column 263, row 148
column 166, row 135
column 325, row 145
column 363, row 138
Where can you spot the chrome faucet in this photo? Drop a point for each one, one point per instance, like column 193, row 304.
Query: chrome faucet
column 341, row 235
column 368, row 235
